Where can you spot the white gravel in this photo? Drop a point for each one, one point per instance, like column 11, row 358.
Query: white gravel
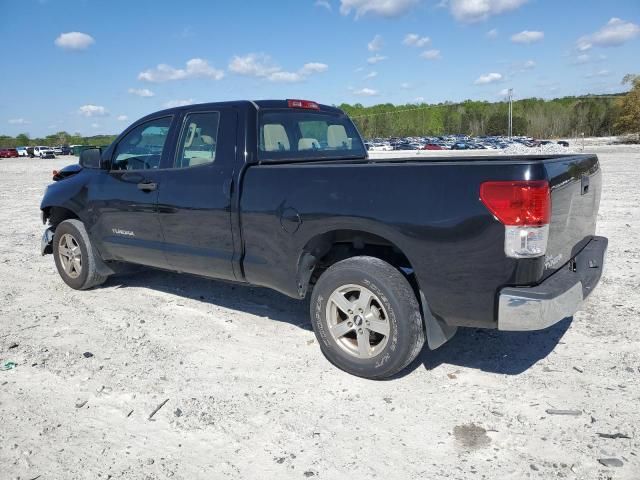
column 250, row 395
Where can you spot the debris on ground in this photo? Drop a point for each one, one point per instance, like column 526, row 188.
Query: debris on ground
column 611, row 462
column 555, row 411
column 613, row 435
column 8, row 365
column 158, row 408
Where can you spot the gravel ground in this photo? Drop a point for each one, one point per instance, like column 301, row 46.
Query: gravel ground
column 249, row 395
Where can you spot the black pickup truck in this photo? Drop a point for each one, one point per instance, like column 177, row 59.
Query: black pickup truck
column 282, row 194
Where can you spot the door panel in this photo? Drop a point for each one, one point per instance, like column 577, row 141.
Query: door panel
column 124, row 201
column 194, row 200
column 127, row 221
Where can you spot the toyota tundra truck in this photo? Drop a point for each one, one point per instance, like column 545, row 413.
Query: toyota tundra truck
column 389, row 252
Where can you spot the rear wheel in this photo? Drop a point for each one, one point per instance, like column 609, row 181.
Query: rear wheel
column 75, row 257
column 366, row 317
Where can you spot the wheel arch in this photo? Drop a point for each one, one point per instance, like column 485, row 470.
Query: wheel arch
column 55, row 214
column 329, row 247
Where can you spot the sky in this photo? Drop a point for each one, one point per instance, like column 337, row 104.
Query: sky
column 95, row 67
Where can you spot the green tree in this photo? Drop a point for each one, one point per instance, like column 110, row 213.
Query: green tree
column 629, row 118
column 22, row 140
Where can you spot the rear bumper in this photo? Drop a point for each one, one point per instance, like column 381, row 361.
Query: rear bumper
column 558, row 297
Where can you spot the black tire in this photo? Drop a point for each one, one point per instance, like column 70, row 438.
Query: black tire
column 88, row 275
column 401, row 310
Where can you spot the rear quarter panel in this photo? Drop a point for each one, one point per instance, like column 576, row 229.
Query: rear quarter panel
column 430, row 210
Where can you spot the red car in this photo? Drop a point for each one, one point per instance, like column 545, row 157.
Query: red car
column 8, row 153
column 432, row 146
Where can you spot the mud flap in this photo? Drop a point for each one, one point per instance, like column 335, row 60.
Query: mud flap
column 438, row 332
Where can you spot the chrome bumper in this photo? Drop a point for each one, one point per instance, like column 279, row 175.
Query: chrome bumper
column 558, row 297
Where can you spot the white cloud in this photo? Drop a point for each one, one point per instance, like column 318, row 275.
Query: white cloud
column 122, row 118
column 253, row 64
column 91, row 110
column 614, row 33
column 415, row 40
column 19, row 121
column 382, row 8
column 313, row 67
column 527, row 36
column 431, row 54
column 504, row 92
column 370, row 75
column 375, row 45
column 194, row 68
column 376, row 59
column 366, row 92
column 405, row 85
column 261, row 66
column 178, row 103
column 488, row 78
column 323, row 4
column 141, row 92
column 493, row 33
column 470, row 11
column 599, row 73
column 584, row 58
column 529, row 64
column 74, row 41
column 285, row 77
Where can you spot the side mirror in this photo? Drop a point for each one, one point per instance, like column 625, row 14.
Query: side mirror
column 91, row 158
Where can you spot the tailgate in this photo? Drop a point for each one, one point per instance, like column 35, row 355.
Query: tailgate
column 575, row 183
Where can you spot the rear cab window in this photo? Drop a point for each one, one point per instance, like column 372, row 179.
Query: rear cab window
column 290, row 134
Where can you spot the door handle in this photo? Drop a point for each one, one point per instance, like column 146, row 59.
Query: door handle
column 147, row 186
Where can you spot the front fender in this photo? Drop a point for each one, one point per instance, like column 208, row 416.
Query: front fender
column 70, row 194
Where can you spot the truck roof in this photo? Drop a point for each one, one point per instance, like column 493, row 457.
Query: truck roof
column 257, row 104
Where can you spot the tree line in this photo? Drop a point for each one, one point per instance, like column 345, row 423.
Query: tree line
column 535, row 117
column 59, row 138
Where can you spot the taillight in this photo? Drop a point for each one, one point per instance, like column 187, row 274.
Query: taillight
column 524, row 208
column 303, row 104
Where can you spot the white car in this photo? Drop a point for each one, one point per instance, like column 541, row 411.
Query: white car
column 43, row 152
column 381, row 147
column 22, row 151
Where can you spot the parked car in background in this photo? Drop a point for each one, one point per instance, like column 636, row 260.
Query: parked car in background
column 65, row 150
column 432, row 146
column 8, row 153
column 22, row 151
column 57, row 150
column 564, row 143
column 43, row 152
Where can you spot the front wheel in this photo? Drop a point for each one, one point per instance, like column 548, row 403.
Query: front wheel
column 366, row 317
column 75, row 258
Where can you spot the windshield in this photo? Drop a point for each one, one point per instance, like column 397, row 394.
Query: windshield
column 302, row 135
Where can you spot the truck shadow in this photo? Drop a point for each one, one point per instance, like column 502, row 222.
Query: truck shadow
column 508, row 353
column 258, row 301
column 494, row 351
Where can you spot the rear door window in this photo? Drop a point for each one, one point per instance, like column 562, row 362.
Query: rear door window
column 298, row 135
column 198, row 140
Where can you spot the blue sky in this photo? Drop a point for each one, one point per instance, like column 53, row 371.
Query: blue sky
column 94, row 67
